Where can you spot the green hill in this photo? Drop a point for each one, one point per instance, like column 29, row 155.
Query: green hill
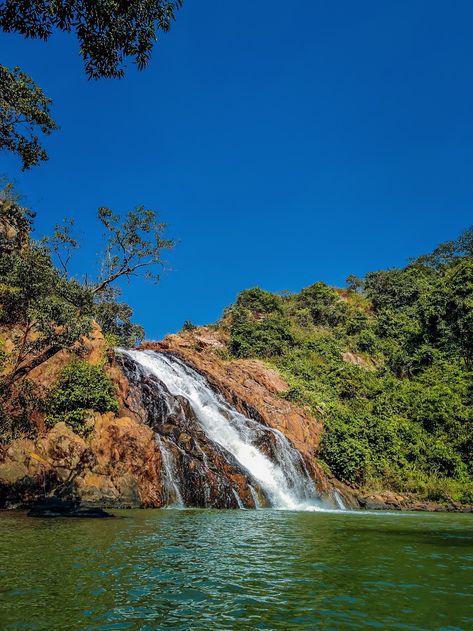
column 386, row 363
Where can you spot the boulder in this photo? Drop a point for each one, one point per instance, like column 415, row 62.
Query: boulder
column 56, row 507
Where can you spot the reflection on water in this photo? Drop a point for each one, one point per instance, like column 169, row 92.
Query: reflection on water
column 197, row 569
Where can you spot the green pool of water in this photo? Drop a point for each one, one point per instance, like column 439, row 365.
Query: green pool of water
column 201, row 569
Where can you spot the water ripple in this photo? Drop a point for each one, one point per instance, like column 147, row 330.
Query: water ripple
column 224, row 570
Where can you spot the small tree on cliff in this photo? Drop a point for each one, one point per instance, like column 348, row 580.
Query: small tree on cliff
column 47, row 308
column 133, row 247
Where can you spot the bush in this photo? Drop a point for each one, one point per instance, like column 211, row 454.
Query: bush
column 323, row 304
column 367, row 342
column 188, row 326
column 259, row 301
column 80, row 390
column 347, row 456
column 260, row 338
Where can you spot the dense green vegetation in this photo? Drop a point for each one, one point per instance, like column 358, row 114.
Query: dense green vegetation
column 387, row 363
column 44, row 308
column 81, row 389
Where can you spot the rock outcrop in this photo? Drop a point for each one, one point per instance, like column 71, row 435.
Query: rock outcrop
column 254, row 389
column 125, row 458
column 120, row 462
column 117, row 466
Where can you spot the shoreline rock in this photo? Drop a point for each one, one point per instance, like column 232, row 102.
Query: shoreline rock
column 55, row 507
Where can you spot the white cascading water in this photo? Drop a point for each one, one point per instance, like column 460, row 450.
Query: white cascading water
column 170, row 484
column 285, row 481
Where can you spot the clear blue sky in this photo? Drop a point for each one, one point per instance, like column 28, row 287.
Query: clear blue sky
column 283, row 143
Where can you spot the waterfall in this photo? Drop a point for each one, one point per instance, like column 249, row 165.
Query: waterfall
column 338, row 500
column 238, row 499
column 281, row 475
column 255, row 497
column 171, row 484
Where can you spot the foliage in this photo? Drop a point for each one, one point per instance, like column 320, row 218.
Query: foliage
column 24, row 111
column 188, row 326
column 259, row 301
column 80, row 389
column 45, row 309
column 322, row 303
column 258, row 326
column 134, row 246
column 402, row 416
column 114, row 319
column 109, row 31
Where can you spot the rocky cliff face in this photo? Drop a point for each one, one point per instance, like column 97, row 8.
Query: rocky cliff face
column 255, row 390
column 154, row 452
column 126, row 458
column 118, row 464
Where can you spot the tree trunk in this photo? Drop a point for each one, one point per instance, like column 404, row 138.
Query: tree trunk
column 25, row 369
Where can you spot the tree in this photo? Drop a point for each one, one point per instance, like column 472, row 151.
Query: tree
column 44, row 311
column 24, row 112
column 46, row 307
column 354, row 283
column 109, row 31
column 62, row 244
column 134, row 246
column 114, row 318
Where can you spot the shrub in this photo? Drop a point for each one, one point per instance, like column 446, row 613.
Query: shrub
column 260, row 338
column 346, row 455
column 257, row 300
column 367, row 342
column 188, row 326
column 323, row 304
column 80, row 389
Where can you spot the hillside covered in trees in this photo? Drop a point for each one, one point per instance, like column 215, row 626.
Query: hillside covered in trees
column 387, row 364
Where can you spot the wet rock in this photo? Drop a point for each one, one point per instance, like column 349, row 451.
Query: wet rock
column 255, row 390
column 206, row 474
column 56, row 507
